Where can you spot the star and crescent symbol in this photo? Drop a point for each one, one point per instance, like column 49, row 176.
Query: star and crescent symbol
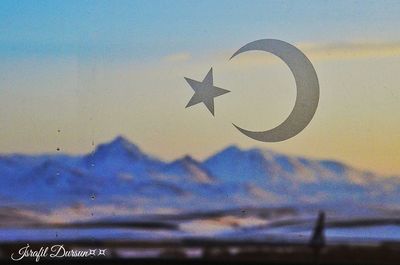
column 205, row 91
column 306, row 84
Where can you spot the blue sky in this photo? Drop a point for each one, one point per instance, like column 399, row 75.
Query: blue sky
column 150, row 29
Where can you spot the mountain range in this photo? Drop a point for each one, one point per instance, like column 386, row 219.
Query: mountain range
column 118, row 178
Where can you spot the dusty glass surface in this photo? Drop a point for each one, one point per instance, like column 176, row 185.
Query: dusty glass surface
column 200, row 130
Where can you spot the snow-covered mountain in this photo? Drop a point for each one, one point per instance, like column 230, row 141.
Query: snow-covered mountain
column 187, row 169
column 118, row 158
column 119, row 175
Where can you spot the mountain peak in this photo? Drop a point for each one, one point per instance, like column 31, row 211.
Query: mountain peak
column 119, row 146
column 185, row 162
column 121, row 140
column 233, row 150
column 188, row 159
column 187, row 166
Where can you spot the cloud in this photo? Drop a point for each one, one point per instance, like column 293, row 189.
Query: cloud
column 177, row 57
column 343, row 51
column 81, row 212
column 331, row 51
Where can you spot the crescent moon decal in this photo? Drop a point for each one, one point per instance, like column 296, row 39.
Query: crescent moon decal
column 307, row 90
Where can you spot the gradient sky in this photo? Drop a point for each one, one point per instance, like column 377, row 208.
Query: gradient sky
column 97, row 69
